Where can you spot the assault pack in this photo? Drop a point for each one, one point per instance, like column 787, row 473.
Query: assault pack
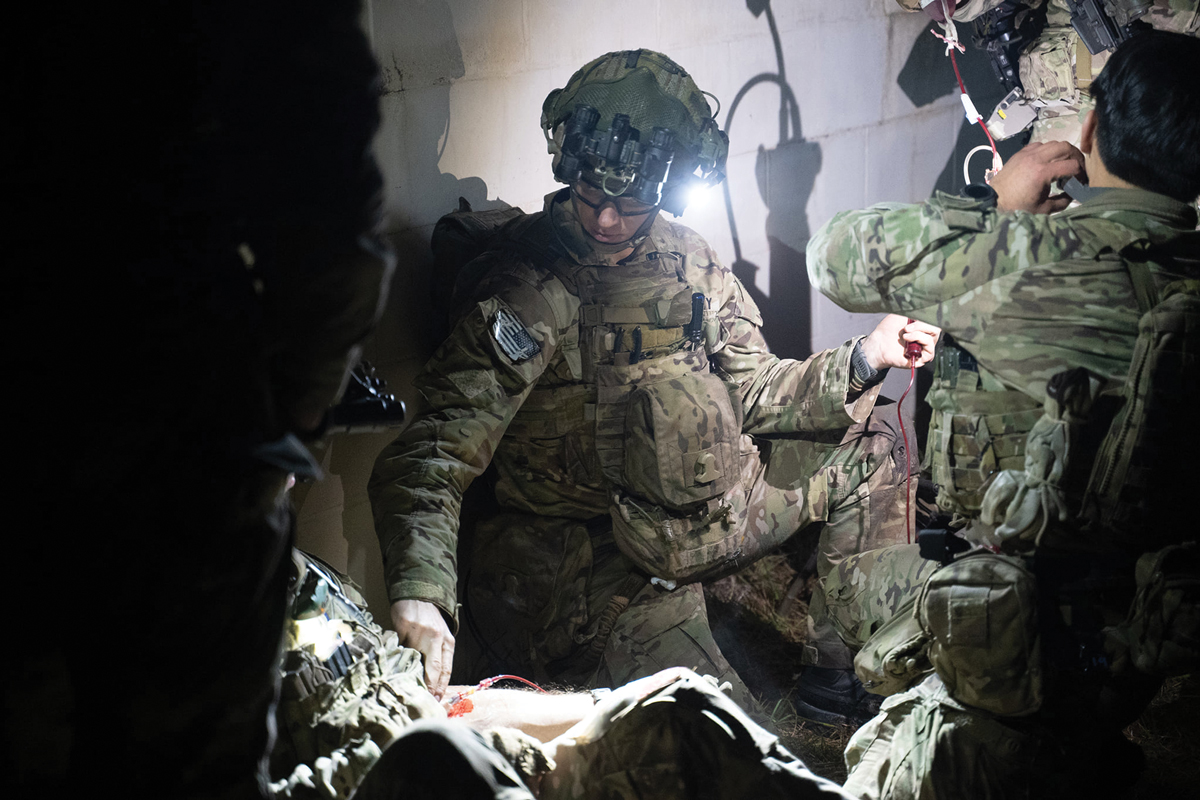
column 1130, row 493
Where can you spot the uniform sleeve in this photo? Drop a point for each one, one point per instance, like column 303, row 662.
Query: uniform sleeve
column 474, row 387
column 782, row 395
column 928, row 260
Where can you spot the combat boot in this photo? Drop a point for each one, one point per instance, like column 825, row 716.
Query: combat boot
column 834, row 697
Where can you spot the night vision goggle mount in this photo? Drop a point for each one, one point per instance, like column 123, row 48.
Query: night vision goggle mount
column 662, row 138
column 616, row 160
column 658, row 172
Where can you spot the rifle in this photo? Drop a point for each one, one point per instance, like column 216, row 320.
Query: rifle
column 366, row 407
column 1104, row 24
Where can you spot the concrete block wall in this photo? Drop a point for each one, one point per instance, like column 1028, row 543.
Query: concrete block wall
column 817, row 125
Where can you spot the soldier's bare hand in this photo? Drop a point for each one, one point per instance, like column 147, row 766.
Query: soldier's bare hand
column 1025, row 182
column 422, row 627
column 885, row 346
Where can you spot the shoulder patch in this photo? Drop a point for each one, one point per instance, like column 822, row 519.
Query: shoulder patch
column 512, row 337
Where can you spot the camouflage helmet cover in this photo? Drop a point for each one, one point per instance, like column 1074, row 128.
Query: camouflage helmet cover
column 652, row 94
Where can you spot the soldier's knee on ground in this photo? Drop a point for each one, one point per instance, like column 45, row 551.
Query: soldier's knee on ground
column 865, row 591
column 662, row 629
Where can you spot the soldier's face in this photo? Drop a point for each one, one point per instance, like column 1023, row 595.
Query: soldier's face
column 600, row 219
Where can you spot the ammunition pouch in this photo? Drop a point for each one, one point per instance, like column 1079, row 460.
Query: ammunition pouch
column 703, row 544
column 668, row 437
column 1022, row 508
column 973, row 436
column 896, row 655
column 980, row 615
column 682, row 440
column 977, row 429
column 667, row 430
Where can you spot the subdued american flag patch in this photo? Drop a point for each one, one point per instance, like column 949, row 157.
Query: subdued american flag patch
column 512, row 337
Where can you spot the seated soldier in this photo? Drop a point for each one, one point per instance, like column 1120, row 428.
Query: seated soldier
column 1063, row 398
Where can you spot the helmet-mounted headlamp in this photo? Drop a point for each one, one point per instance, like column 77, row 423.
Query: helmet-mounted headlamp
column 635, row 125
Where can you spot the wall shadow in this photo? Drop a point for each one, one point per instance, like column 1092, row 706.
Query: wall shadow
column 928, row 75
column 785, row 176
column 420, row 59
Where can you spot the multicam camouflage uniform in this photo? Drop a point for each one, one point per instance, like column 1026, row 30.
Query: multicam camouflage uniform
column 548, row 589
column 350, row 690
column 1057, row 69
column 1021, row 298
column 356, row 719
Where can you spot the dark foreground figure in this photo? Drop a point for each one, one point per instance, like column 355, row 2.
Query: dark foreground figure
column 194, row 204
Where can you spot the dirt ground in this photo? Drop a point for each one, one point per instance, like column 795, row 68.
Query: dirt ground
column 765, row 645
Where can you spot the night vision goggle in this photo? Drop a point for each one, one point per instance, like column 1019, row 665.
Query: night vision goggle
column 655, row 172
column 615, row 160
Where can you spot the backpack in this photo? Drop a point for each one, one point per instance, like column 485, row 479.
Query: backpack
column 1129, row 495
column 461, row 236
column 1144, row 507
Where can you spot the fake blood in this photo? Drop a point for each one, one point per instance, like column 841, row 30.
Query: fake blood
column 462, row 707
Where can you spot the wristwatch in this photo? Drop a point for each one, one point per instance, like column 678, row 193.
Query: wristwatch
column 864, row 372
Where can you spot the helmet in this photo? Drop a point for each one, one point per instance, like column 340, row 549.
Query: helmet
column 635, row 124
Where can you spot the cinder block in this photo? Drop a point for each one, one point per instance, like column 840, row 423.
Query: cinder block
column 392, row 156
column 415, row 43
column 566, row 34
column 936, row 131
column 838, row 70
column 749, row 206
column 492, row 36
column 683, row 23
column 832, row 325
column 889, row 161
column 841, row 184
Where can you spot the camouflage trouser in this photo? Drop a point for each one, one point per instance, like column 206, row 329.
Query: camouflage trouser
column 550, row 600
column 866, row 591
column 542, row 592
column 862, row 481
